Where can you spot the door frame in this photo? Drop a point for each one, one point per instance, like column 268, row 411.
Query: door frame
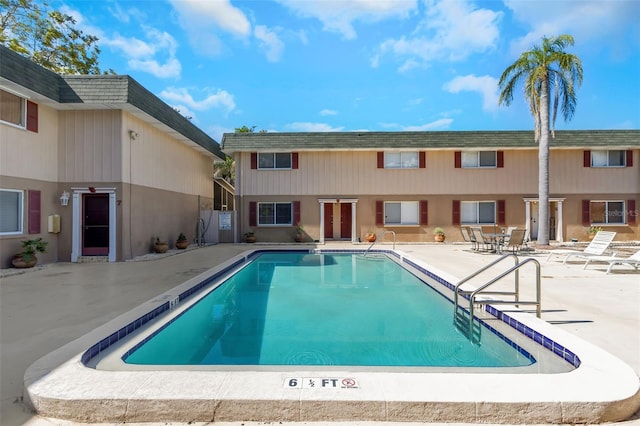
column 76, row 222
column 532, row 211
column 352, row 201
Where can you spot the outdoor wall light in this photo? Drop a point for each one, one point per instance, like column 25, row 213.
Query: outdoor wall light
column 133, row 135
column 64, row 199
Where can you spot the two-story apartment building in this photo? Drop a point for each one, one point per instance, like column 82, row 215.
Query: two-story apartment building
column 97, row 165
column 339, row 186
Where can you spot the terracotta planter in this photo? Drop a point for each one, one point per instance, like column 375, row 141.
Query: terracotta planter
column 250, row 238
column 19, row 262
column 161, row 247
column 370, row 237
column 182, row 244
column 439, row 238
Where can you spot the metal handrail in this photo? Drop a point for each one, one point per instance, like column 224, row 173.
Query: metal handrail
column 516, row 293
column 376, row 240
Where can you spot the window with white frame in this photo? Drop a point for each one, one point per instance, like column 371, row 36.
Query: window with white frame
column 401, row 213
column 11, row 212
column 474, row 159
column 609, row 158
column 607, row 212
column 401, row 160
column 477, row 212
column 275, row 213
column 274, row 160
column 12, row 109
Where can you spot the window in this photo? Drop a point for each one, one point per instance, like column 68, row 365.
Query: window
column 477, row 212
column 401, row 213
column 607, row 212
column 608, row 158
column 479, row 159
column 401, row 160
column 275, row 214
column 11, row 212
column 12, row 109
column 274, row 160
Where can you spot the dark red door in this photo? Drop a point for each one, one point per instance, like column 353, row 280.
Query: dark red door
column 95, row 227
column 328, row 220
column 345, row 220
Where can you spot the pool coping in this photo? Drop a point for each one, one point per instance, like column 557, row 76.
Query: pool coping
column 59, row 385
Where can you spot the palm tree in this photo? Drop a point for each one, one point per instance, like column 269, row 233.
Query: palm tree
column 541, row 70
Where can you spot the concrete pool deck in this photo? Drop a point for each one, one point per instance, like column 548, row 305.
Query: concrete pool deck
column 45, row 308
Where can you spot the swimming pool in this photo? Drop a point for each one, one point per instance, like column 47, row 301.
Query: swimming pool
column 76, row 390
column 300, row 308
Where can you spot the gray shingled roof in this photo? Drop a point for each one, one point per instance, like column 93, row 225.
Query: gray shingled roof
column 101, row 91
column 341, row 141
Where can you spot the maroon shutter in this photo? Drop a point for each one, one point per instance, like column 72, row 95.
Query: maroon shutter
column 455, row 212
column 32, row 116
column 253, row 213
column 586, row 159
column 294, row 160
column 422, row 159
column 500, row 159
column 379, row 213
column 632, row 213
column 501, row 212
column 34, row 212
column 296, row 213
column 380, row 156
column 629, row 158
column 424, row 212
column 586, row 213
column 457, row 159
column 254, row 160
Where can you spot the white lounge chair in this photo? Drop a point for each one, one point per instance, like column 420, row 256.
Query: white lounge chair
column 633, row 260
column 596, row 247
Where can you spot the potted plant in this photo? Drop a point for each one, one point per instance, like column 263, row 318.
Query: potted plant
column 299, row 233
column 593, row 230
column 27, row 257
column 250, row 237
column 438, row 234
column 370, row 236
column 160, row 246
column 182, row 242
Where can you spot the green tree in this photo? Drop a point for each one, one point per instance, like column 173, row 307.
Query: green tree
column 543, row 70
column 226, row 170
column 48, row 37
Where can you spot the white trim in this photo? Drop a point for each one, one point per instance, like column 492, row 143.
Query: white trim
column 76, row 225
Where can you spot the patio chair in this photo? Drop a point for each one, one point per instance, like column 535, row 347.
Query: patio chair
column 596, row 247
column 516, row 240
column 480, row 238
column 633, row 260
column 467, row 237
column 508, row 235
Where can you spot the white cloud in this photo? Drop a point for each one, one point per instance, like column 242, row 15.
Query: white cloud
column 328, row 112
column 440, row 124
column 203, row 21
column 269, row 40
column 450, row 30
column 486, row 85
column 180, row 95
column 312, row 127
column 339, row 16
column 596, row 22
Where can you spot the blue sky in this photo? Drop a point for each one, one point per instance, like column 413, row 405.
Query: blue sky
column 376, row 65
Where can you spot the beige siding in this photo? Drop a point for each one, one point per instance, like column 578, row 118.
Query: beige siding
column 90, row 146
column 157, row 160
column 28, row 154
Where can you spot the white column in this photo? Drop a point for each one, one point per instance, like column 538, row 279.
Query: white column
column 527, row 217
column 321, row 239
column 354, row 237
column 76, row 225
column 559, row 235
column 112, row 227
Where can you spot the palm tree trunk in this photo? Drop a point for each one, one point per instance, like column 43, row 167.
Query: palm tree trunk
column 543, row 167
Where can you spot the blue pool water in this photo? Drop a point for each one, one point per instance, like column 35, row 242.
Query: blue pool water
column 322, row 309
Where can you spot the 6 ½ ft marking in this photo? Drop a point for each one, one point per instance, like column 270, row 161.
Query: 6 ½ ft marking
column 320, row 383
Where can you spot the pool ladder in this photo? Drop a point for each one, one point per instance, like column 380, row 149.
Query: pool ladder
column 383, row 233
column 463, row 319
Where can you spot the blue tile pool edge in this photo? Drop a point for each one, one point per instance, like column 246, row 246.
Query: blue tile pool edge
column 523, row 329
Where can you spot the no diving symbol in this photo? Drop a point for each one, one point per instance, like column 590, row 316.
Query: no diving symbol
column 349, row 383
